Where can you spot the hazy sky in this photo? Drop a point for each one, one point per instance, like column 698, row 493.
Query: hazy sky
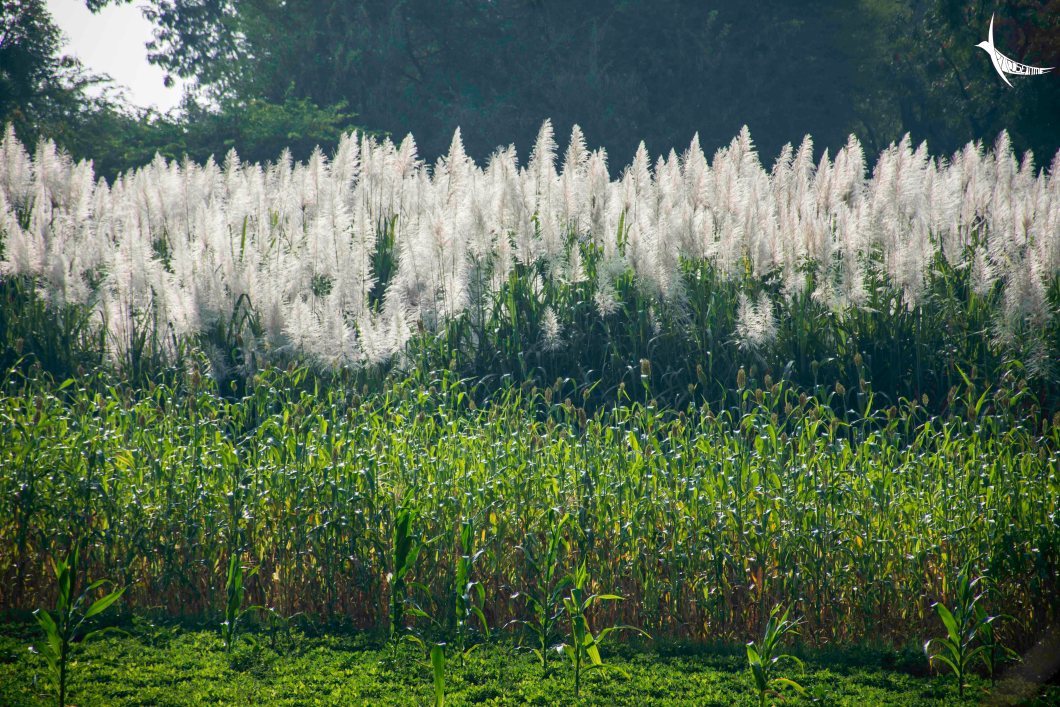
column 112, row 42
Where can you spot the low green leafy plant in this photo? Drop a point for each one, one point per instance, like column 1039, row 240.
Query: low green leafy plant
column 584, row 647
column 764, row 659
column 63, row 629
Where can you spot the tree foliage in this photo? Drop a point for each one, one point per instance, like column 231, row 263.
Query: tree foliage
column 266, row 75
column 45, row 93
column 629, row 70
column 39, row 89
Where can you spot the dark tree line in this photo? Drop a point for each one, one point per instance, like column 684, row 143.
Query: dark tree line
column 269, row 74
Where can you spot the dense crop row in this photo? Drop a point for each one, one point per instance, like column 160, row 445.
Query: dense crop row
column 702, row 520
column 700, row 266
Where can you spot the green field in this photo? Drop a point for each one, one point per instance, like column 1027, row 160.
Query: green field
column 160, row 665
column 702, row 521
column 479, row 417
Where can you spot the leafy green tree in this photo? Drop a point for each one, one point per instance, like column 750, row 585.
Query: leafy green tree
column 266, row 74
column 927, row 77
column 37, row 85
column 625, row 71
column 44, row 93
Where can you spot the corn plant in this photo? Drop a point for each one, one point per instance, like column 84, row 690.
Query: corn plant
column 584, row 647
column 277, row 623
column 994, row 653
column 438, row 673
column 435, row 652
column 470, row 595
column 62, row 629
column 545, row 599
column 764, row 658
column 406, row 548
column 966, row 624
column 234, row 611
column 436, row 663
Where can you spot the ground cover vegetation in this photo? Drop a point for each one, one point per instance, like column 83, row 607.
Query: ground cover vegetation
column 308, row 666
column 452, row 405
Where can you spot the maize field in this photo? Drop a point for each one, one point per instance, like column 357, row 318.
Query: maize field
column 811, row 385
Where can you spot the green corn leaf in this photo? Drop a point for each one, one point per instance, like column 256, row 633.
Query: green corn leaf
column 789, row 683
column 100, row 605
column 438, row 668
column 51, row 631
column 759, row 676
column 789, row 657
column 947, row 661
column 948, row 621
column 93, row 585
column 482, row 620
